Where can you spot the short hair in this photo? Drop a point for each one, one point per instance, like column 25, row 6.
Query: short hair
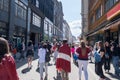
column 30, row 43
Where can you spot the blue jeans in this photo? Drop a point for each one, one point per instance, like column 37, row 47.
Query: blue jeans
column 116, row 64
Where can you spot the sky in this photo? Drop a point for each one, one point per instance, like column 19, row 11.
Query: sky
column 72, row 10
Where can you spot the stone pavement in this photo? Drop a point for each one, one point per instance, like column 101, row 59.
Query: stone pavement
column 33, row 74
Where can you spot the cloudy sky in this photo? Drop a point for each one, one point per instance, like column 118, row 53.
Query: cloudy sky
column 72, row 10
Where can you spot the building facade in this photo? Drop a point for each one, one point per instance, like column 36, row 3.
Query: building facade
column 24, row 19
column 35, row 20
column 84, row 14
column 67, row 34
column 41, row 11
column 104, row 20
column 48, row 30
column 4, row 18
column 58, row 20
column 13, row 23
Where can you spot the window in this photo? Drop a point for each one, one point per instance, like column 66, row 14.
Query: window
column 4, row 5
column 45, row 26
column 98, row 13
column 37, row 3
column 36, row 20
column 1, row 4
column 21, row 10
column 50, row 28
column 54, row 31
column 92, row 19
column 109, row 4
column 3, row 29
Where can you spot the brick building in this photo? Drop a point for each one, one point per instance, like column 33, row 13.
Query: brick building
column 103, row 20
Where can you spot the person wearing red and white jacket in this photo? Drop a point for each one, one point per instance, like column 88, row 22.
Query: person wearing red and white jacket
column 63, row 63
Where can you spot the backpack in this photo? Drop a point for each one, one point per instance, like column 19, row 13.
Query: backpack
column 47, row 56
column 97, row 57
column 20, row 46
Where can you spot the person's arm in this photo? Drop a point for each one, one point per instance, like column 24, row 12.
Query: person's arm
column 39, row 52
column 77, row 51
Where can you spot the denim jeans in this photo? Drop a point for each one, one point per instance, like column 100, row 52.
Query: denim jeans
column 42, row 66
column 116, row 64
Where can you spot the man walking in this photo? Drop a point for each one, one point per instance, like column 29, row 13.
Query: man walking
column 82, row 53
column 63, row 63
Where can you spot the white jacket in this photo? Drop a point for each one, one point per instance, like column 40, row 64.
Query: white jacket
column 41, row 54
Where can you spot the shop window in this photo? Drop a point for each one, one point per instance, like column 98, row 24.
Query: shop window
column 3, row 29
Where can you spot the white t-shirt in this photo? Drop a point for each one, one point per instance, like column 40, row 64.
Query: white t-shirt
column 41, row 54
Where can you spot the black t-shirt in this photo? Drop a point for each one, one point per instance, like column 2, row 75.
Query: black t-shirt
column 103, row 58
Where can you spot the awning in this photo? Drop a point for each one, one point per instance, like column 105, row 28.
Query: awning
column 106, row 25
column 98, row 29
column 112, row 25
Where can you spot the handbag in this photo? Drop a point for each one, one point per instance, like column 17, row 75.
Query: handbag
column 97, row 57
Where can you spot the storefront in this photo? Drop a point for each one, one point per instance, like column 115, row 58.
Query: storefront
column 3, row 30
column 18, row 35
column 113, row 17
column 112, row 31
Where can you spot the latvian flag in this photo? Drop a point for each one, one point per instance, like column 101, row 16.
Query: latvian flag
column 64, row 59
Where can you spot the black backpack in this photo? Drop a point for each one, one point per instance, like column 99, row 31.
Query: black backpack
column 47, row 56
column 20, row 46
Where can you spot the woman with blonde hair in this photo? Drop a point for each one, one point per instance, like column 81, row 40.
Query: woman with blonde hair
column 7, row 63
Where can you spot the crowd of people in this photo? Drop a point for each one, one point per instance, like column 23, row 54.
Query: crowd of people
column 62, row 53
